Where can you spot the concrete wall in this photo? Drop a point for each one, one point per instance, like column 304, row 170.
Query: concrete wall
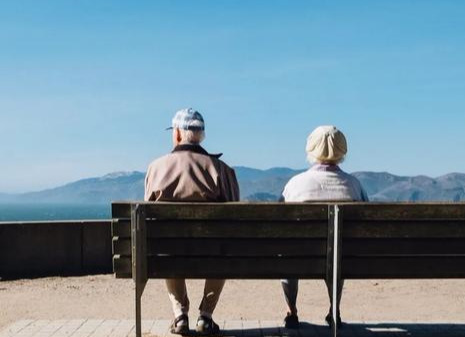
column 33, row 249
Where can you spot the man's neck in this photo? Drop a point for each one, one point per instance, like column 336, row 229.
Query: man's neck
column 194, row 148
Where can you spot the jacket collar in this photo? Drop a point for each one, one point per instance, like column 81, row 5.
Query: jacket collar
column 196, row 149
column 325, row 167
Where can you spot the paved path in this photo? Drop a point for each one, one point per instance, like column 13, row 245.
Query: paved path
column 241, row 328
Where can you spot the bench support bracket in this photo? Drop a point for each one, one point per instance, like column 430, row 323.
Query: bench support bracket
column 139, row 258
column 333, row 264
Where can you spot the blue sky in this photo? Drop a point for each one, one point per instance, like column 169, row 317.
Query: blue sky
column 87, row 87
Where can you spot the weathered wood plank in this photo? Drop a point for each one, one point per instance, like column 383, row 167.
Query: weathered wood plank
column 427, row 228
column 403, row 211
column 121, row 209
column 122, row 266
column 238, row 268
column 226, row 247
column 293, row 211
column 394, row 246
column 226, row 211
column 352, row 268
column 399, row 267
column 224, row 228
column 231, row 268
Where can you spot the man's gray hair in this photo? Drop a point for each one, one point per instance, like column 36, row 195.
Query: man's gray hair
column 192, row 136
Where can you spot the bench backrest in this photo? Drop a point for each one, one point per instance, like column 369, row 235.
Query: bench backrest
column 277, row 240
column 225, row 240
column 403, row 240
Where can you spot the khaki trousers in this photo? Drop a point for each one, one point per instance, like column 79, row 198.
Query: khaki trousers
column 180, row 302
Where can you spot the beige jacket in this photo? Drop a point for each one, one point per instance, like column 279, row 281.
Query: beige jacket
column 189, row 173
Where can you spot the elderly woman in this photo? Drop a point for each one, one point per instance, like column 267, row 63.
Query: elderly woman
column 324, row 181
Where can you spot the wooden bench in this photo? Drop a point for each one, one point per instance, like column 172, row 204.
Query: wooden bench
column 276, row 240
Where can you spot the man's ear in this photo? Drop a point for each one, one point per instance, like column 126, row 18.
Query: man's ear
column 178, row 136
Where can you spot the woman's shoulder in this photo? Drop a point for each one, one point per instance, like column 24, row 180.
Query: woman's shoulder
column 305, row 176
column 304, row 180
column 356, row 186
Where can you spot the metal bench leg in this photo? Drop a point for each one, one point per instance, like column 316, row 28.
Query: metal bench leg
column 331, row 296
column 333, row 265
column 139, row 290
column 139, row 259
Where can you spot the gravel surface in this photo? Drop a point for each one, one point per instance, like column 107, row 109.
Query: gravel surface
column 105, row 297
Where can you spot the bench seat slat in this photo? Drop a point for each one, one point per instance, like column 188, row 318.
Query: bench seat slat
column 233, row 229
column 226, row 247
column 229, row 268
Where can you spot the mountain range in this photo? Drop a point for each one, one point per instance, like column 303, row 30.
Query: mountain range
column 255, row 185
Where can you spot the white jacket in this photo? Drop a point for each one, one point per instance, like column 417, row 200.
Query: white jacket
column 324, row 183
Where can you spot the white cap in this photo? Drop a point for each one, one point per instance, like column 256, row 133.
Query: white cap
column 188, row 119
column 327, row 144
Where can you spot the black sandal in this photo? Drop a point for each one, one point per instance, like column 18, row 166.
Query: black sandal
column 291, row 321
column 207, row 327
column 180, row 329
column 329, row 320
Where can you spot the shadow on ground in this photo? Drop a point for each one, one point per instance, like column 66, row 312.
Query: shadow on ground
column 356, row 330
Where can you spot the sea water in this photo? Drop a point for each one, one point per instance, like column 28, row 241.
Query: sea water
column 41, row 212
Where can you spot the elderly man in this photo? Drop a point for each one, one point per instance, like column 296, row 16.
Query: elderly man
column 324, row 181
column 189, row 173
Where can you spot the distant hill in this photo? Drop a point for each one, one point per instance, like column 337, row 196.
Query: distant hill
column 255, row 185
column 388, row 187
column 263, row 185
column 113, row 186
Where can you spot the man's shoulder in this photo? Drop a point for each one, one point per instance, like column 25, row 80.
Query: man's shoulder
column 161, row 161
column 229, row 170
column 222, row 163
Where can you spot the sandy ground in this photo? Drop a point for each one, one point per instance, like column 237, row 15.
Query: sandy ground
column 105, row 297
